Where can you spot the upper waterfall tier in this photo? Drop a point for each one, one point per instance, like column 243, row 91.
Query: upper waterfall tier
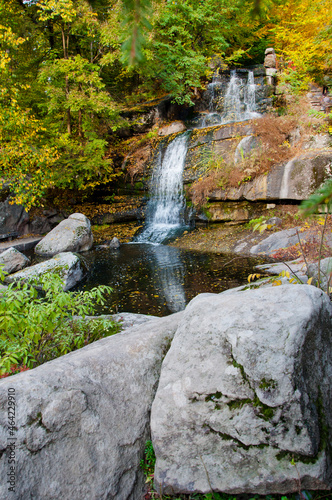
column 236, row 104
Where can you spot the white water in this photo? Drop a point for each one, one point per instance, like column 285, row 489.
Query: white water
column 240, row 106
column 285, row 181
column 166, row 208
column 239, row 101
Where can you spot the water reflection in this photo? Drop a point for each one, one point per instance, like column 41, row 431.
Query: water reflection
column 160, row 280
column 169, row 276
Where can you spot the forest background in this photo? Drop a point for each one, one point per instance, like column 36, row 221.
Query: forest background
column 69, row 70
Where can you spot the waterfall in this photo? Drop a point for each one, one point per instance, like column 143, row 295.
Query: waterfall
column 165, row 210
column 239, row 101
column 249, row 94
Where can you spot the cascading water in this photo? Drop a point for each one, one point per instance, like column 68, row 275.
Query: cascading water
column 239, row 102
column 165, row 210
column 249, row 94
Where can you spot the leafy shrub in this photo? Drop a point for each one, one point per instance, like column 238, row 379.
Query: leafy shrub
column 35, row 329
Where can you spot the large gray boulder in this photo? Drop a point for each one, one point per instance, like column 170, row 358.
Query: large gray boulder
column 82, row 420
column 13, row 260
column 67, row 265
column 244, row 389
column 71, row 235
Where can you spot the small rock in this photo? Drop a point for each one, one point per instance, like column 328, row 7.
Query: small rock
column 173, row 128
column 274, row 222
column 114, row 243
column 13, row 260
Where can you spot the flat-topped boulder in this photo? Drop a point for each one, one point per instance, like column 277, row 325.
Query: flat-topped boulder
column 67, row 265
column 71, row 235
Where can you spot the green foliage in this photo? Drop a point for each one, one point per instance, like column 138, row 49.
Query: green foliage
column 259, row 224
column 321, row 199
column 36, row 329
column 149, row 461
column 185, row 34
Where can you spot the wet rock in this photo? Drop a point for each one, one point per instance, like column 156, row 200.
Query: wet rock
column 114, row 243
column 13, row 260
column 172, row 128
column 244, row 388
column 71, row 235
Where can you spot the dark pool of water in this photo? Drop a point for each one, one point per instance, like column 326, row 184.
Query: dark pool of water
column 160, row 280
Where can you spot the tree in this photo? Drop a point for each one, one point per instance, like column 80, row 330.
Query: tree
column 65, row 81
column 302, row 37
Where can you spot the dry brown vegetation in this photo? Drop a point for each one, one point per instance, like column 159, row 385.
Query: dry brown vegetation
column 136, row 161
column 280, row 138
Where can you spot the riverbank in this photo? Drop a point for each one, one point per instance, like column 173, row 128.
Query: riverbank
column 239, row 239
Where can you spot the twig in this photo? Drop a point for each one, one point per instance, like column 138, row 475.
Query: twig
column 293, row 272
column 302, row 251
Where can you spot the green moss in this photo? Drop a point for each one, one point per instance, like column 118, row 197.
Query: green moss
column 266, row 412
column 212, row 397
column 267, row 384
column 295, row 457
column 323, row 429
column 238, row 403
column 243, row 373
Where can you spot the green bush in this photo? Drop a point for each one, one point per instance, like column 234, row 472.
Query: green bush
column 37, row 327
